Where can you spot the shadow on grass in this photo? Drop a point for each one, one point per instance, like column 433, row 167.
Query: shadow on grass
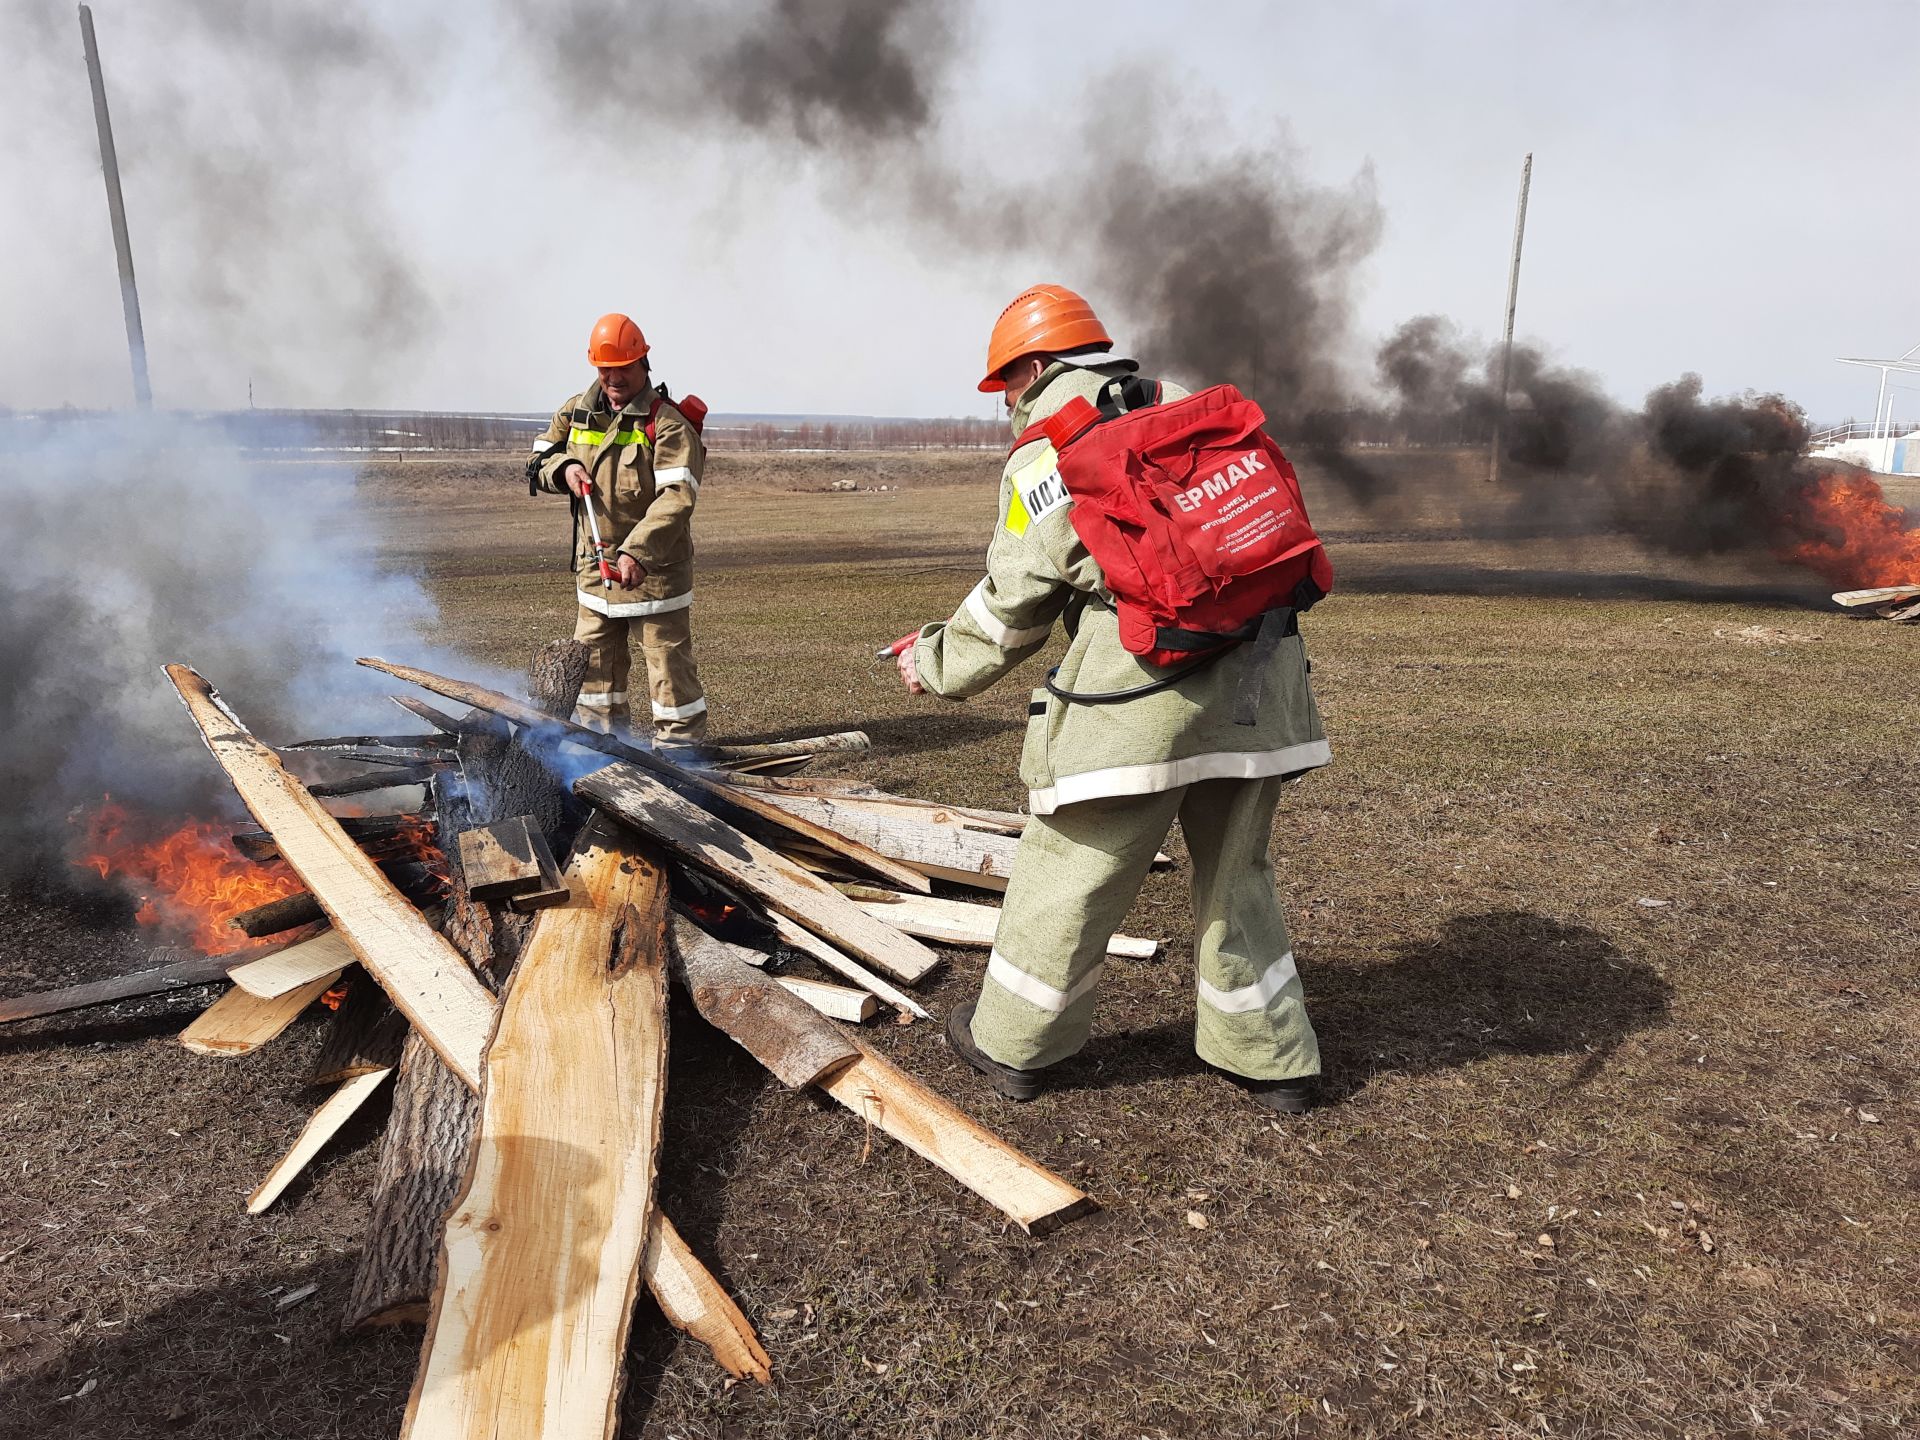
column 1508, row 982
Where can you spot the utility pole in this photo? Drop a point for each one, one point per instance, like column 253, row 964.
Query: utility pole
column 117, row 213
column 1506, row 344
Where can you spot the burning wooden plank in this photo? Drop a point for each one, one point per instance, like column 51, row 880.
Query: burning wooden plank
column 730, row 802
column 384, row 780
column 696, row 835
column 426, row 977
column 792, row 1041
column 239, row 1023
column 544, row 1247
column 474, row 723
column 407, row 830
column 321, row 1126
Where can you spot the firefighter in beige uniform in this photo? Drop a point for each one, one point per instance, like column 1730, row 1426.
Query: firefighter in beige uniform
column 623, row 448
column 1107, row 781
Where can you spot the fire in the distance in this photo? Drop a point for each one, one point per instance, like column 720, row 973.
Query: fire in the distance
column 1856, row 537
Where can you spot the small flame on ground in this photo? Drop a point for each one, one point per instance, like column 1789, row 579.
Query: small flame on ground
column 189, row 882
column 1857, row 537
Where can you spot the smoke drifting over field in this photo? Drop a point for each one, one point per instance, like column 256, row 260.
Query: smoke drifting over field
column 174, row 550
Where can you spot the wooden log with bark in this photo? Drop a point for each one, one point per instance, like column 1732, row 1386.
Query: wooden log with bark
column 640, row 800
column 424, row 1152
column 840, row 742
column 771, row 1024
column 543, row 1253
column 366, row 1034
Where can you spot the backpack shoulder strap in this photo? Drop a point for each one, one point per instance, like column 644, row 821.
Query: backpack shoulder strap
column 1126, row 392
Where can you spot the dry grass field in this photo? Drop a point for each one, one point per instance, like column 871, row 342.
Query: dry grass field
column 1607, row 917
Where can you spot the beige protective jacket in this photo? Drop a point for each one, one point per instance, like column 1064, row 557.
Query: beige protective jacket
column 643, row 496
column 1039, row 571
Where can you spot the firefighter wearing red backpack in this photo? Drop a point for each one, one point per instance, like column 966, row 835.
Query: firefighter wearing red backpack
column 1165, row 532
column 630, row 458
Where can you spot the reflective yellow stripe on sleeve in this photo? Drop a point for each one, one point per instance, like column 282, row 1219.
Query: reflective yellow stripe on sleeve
column 578, row 436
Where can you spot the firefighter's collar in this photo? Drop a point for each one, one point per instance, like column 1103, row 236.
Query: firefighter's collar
column 1062, row 365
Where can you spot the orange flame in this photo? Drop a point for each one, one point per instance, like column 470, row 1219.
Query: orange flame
column 417, row 838
column 1858, row 539
column 189, row 882
column 335, row 997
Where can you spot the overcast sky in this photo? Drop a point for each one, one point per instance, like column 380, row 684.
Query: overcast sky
column 401, row 206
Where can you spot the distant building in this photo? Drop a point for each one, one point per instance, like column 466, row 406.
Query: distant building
column 1884, row 453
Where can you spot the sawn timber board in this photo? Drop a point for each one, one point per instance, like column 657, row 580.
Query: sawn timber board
column 544, row 1246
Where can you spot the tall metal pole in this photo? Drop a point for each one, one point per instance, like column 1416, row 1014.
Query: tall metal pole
column 1506, row 344
column 117, row 213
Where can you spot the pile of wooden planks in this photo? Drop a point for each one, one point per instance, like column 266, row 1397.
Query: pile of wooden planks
column 518, row 1016
column 1900, row 603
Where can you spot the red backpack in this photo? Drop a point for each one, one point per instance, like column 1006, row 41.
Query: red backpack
column 691, row 406
column 1194, row 516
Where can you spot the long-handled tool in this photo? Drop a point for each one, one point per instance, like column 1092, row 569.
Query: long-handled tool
column 608, row 575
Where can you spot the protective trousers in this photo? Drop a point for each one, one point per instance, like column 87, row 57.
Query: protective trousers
column 1075, row 876
column 679, row 705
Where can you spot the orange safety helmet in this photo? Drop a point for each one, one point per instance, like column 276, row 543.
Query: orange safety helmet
column 1051, row 318
column 616, row 341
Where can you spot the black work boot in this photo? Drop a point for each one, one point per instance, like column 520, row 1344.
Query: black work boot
column 1286, row 1097
column 1005, row 1080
